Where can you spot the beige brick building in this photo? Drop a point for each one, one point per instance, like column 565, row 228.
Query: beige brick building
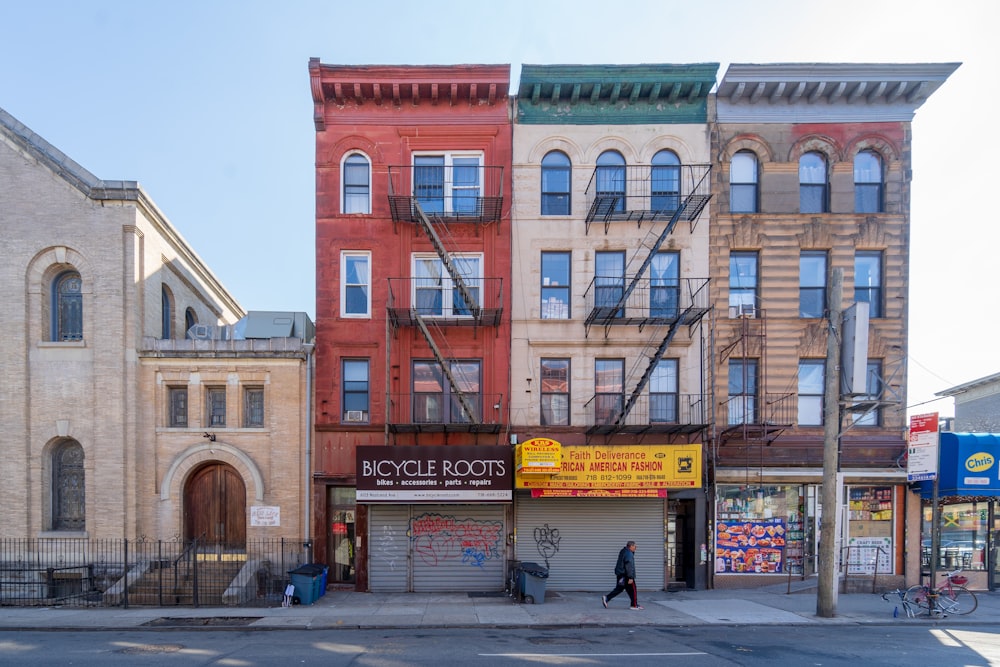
column 99, row 291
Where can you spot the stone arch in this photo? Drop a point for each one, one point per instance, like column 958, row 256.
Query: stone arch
column 353, row 143
column 555, row 143
column 874, row 142
column 668, row 143
column 39, row 278
column 815, row 143
column 193, row 457
column 612, row 143
column 748, row 142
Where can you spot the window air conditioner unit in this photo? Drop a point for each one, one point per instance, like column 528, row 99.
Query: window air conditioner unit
column 744, row 310
column 355, row 416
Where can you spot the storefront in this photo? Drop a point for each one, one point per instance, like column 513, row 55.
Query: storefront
column 771, row 530
column 969, row 509
column 438, row 516
column 577, row 506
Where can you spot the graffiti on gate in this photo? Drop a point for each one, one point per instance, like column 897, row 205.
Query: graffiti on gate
column 438, row 539
column 386, row 549
column 547, row 542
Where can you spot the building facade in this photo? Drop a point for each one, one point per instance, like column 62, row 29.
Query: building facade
column 91, row 268
column 149, row 418
column 610, row 347
column 812, row 177
column 412, row 466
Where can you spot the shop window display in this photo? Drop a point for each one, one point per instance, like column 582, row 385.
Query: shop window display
column 963, row 539
column 870, row 529
column 759, row 529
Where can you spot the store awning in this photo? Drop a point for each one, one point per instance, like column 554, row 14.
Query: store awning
column 967, row 466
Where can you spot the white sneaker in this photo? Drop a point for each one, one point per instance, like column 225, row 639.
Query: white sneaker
column 637, row 608
column 604, row 601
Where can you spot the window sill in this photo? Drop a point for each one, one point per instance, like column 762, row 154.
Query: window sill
column 62, row 344
column 63, row 535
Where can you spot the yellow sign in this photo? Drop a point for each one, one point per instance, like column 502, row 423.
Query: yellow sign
column 624, row 467
column 538, row 455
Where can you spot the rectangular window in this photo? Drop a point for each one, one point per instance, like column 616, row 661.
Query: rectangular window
column 868, row 280
column 663, row 392
column 743, row 391
column 434, row 399
column 555, row 285
column 665, row 284
column 609, row 282
column 743, row 298
column 448, row 183
column 609, row 390
column 253, row 407
column 811, row 381
column 555, row 392
column 812, row 283
column 873, row 392
column 435, row 292
column 356, row 391
column 215, row 406
column 355, row 284
column 178, row 407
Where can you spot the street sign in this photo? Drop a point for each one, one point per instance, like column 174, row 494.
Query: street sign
column 922, row 452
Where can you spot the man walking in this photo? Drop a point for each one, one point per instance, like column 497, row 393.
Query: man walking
column 625, row 577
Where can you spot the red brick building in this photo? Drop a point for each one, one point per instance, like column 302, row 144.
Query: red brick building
column 412, row 302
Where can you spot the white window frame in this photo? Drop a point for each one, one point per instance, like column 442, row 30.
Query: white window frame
column 449, row 178
column 345, row 255
column 343, row 183
column 447, row 285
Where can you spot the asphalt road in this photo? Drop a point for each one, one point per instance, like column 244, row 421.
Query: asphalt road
column 703, row 646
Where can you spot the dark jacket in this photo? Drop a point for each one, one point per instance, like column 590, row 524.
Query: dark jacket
column 625, row 567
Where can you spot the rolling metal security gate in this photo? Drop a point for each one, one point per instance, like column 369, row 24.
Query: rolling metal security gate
column 436, row 548
column 582, row 538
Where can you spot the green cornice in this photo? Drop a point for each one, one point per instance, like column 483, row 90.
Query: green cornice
column 614, row 94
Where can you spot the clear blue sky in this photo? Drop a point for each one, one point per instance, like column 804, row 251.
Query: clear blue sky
column 207, row 105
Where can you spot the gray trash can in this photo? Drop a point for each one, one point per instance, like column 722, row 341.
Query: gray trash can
column 532, row 580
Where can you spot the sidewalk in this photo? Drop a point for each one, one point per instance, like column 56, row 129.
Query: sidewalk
column 350, row 610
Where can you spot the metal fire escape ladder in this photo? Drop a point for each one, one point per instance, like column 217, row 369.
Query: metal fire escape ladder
column 446, row 369
column 457, row 279
column 696, row 203
column 653, row 361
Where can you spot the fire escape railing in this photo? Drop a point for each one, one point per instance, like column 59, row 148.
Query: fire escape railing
column 641, row 193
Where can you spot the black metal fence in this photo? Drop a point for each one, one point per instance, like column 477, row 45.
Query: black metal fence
column 145, row 572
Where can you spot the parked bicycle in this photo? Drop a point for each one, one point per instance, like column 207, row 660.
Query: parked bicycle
column 951, row 597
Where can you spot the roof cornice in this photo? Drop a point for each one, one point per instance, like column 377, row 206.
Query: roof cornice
column 830, row 92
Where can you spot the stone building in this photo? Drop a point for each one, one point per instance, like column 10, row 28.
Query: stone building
column 136, row 402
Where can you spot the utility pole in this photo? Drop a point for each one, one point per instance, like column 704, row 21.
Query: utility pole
column 826, row 596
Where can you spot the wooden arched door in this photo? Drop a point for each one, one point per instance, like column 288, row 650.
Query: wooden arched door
column 215, row 506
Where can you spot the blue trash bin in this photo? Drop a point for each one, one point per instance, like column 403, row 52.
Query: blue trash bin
column 532, row 582
column 306, row 580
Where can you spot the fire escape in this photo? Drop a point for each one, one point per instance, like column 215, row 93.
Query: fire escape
column 752, row 416
column 454, row 294
column 665, row 305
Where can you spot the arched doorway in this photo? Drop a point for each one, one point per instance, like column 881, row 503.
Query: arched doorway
column 215, row 506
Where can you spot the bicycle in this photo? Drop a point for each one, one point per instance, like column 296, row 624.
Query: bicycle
column 951, row 597
column 907, row 605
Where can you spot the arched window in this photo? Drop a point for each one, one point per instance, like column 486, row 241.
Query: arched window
column 166, row 312
column 611, row 180
column 357, row 184
column 68, row 492
column 812, row 183
column 190, row 319
column 867, row 182
column 743, row 183
column 67, row 307
column 556, row 170
column 666, row 182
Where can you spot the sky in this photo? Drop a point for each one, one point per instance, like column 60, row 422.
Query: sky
column 207, row 105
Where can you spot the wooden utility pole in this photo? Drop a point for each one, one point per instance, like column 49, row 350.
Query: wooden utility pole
column 826, row 596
